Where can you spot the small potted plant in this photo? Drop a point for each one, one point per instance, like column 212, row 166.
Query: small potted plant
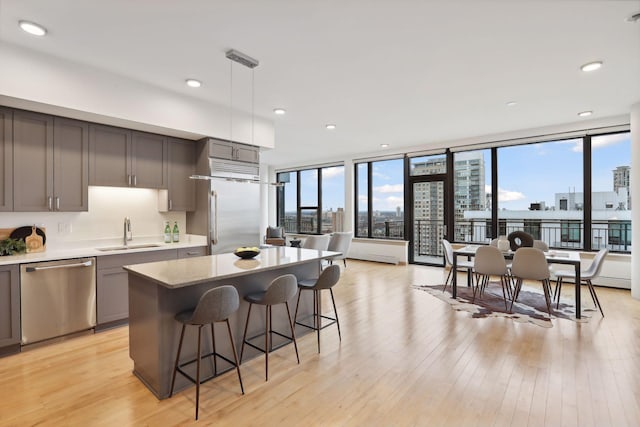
column 11, row 246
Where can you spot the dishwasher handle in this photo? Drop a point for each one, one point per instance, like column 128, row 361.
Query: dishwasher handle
column 55, row 267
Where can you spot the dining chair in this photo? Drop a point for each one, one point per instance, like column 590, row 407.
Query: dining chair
column 448, row 258
column 585, row 276
column 530, row 264
column 490, row 262
column 539, row 244
column 320, row 242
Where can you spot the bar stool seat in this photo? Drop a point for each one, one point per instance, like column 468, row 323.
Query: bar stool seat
column 280, row 291
column 328, row 278
column 215, row 305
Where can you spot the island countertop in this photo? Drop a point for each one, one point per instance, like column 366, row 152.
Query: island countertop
column 192, row 271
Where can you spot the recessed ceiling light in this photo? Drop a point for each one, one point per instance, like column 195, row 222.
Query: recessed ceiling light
column 591, row 66
column 279, row 111
column 384, row 145
column 330, row 126
column 585, row 113
column 193, row 83
column 512, row 104
column 32, row 28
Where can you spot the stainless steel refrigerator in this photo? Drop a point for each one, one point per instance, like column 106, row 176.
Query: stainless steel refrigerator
column 227, row 202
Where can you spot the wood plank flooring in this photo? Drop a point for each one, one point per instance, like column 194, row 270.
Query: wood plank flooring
column 406, row 359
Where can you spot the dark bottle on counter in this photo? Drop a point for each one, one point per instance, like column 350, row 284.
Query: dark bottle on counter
column 176, row 232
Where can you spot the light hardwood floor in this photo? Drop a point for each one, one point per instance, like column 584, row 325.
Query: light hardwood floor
column 406, row 359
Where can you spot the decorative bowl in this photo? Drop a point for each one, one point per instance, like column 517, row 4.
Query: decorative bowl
column 246, row 253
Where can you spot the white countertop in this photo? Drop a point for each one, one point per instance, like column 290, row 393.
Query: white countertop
column 190, row 271
column 90, row 248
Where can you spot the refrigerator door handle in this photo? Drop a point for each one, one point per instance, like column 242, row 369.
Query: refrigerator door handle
column 214, row 238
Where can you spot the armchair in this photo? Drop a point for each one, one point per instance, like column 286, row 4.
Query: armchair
column 275, row 236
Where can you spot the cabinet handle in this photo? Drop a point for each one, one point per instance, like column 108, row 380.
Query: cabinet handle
column 193, row 253
column 170, row 204
column 50, row 202
column 57, row 203
column 129, row 180
column 135, row 180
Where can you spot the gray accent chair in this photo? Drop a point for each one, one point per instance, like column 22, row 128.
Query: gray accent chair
column 280, row 291
column 340, row 242
column 489, row 262
column 530, row 264
column 448, row 259
column 215, row 305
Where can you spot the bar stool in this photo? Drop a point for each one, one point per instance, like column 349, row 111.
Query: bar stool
column 328, row 278
column 215, row 305
column 280, row 290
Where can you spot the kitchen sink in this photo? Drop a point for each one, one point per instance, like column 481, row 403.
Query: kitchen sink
column 124, row 248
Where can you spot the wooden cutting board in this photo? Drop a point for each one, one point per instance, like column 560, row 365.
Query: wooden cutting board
column 34, row 241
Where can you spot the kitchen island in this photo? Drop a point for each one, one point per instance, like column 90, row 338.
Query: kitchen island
column 160, row 290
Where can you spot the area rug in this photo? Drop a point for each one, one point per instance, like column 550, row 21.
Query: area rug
column 529, row 308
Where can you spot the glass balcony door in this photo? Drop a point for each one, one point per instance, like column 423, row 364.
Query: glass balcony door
column 428, row 220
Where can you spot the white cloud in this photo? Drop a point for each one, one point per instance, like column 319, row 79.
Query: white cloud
column 332, row 172
column 389, row 188
column 362, row 199
column 506, row 195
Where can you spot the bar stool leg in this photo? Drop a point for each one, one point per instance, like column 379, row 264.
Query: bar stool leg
column 235, row 355
column 295, row 316
column 266, row 342
column 316, row 299
column 336, row 313
column 213, row 345
column 246, row 326
column 198, row 371
column 175, row 367
column 293, row 333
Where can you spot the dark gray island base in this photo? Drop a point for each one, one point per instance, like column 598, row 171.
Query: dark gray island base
column 159, row 290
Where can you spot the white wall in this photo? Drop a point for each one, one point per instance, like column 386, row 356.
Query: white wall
column 105, row 219
column 48, row 84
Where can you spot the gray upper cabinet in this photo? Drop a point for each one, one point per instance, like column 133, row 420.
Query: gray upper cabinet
column 32, row 161
column 6, row 159
column 181, row 189
column 149, row 160
column 70, row 165
column 125, row 158
column 108, row 152
column 233, row 151
column 50, row 160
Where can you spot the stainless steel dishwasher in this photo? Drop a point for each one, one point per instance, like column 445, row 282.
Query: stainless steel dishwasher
column 57, row 298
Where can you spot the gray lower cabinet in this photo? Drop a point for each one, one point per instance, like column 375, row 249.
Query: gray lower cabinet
column 9, row 309
column 6, row 159
column 112, row 285
column 50, row 163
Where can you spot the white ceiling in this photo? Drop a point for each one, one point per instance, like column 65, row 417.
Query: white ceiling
column 401, row 72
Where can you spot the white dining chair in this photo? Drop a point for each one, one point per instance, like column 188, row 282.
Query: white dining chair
column 585, row 276
column 530, row 264
column 448, row 259
column 489, row 262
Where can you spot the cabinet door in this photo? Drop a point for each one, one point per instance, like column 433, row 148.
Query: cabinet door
column 109, row 149
column 245, row 153
column 32, row 162
column 112, row 295
column 221, row 149
column 182, row 189
column 6, row 159
column 9, row 306
column 70, row 165
column 149, row 160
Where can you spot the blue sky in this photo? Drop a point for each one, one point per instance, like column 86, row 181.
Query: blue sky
column 527, row 174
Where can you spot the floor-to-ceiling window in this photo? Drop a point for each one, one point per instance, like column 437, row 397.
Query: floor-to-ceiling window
column 380, row 209
column 311, row 201
column 472, row 196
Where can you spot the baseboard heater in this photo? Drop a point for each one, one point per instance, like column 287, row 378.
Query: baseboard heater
column 377, row 258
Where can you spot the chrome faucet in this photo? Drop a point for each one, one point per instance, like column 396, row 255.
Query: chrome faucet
column 127, row 230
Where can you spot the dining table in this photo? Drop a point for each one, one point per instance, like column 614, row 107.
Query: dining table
column 552, row 257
